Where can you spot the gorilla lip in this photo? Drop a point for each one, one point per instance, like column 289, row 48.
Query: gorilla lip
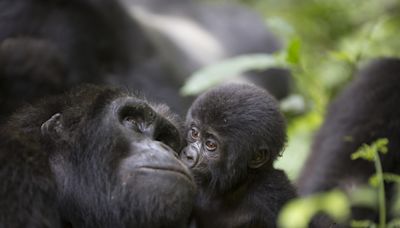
column 168, row 169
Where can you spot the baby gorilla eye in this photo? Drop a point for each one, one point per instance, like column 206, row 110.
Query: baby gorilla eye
column 211, row 145
column 194, row 133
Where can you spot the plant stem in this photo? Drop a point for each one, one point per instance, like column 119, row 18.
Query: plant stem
column 381, row 191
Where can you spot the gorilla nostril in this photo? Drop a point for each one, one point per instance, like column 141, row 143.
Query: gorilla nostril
column 189, row 157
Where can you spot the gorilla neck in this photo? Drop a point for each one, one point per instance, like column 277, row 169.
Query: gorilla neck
column 222, row 192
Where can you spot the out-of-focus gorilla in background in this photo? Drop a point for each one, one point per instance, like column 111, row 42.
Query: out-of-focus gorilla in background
column 368, row 109
column 190, row 35
column 49, row 46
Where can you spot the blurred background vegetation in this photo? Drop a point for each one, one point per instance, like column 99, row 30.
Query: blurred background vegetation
column 326, row 43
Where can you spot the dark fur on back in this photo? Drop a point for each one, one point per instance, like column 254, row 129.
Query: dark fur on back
column 368, row 109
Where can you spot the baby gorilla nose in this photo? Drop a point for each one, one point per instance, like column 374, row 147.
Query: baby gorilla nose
column 189, row 156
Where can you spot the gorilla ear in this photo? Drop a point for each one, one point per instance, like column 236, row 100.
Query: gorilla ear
column 53, row 127
column 259, row 158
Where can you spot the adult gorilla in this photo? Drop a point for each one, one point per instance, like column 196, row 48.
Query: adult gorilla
column 47, row 47
column 368, row 109
column 95, row 157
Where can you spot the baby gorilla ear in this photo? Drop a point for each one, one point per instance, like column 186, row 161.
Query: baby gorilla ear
column 53, row 127
column 259, row 158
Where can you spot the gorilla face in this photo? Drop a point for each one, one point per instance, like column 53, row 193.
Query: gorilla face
column 204, row 153
column 113, row 160
column 232, row 130
column 234, row 134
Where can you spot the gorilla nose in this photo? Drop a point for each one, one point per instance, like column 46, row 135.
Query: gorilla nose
column 167, row 148
column 189, row 156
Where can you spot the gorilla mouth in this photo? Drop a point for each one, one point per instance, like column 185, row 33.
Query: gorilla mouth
column 169, row 169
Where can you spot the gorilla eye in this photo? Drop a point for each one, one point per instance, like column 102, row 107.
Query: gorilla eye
column 130, row 120
column 211, row 145
column 151, row 115
column 134, row 116
column 194, row 133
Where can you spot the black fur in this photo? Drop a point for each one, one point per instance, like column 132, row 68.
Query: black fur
column 95, row 157
column 29, row 69
column 238, row 185
column 368, row 109
column 47, row 47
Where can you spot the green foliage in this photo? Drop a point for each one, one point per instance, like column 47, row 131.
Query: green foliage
column 300, row 134
column 292, row 52
column 228, row 69
column 373, row 39
column 395, row 223
column 369, row 152
column 364, row 196
column 396, row 204
column 298, row 212
column 362, row 224
column 326, row 42
column 368, row 224
column 336, row 38
column 388, row 177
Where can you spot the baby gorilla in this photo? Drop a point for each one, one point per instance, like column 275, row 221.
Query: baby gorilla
column 234, row 134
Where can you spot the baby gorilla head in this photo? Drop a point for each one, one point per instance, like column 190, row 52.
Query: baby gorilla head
column 233, row 131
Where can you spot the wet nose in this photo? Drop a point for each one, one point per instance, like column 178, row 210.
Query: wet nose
column 189, row 156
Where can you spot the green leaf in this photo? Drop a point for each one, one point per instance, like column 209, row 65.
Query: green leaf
column 228, row 69
column 342, row 55
column 293, row 51
column 364, row 196
column 389, row 177
column 299, row 212
column 363, row 224
column 374, row 180
column 364, row 152
column 368, row 152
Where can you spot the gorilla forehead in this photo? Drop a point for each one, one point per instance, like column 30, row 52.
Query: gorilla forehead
column 95, row 99
column 86, row 98
column 86, row 102
column 234, row 107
